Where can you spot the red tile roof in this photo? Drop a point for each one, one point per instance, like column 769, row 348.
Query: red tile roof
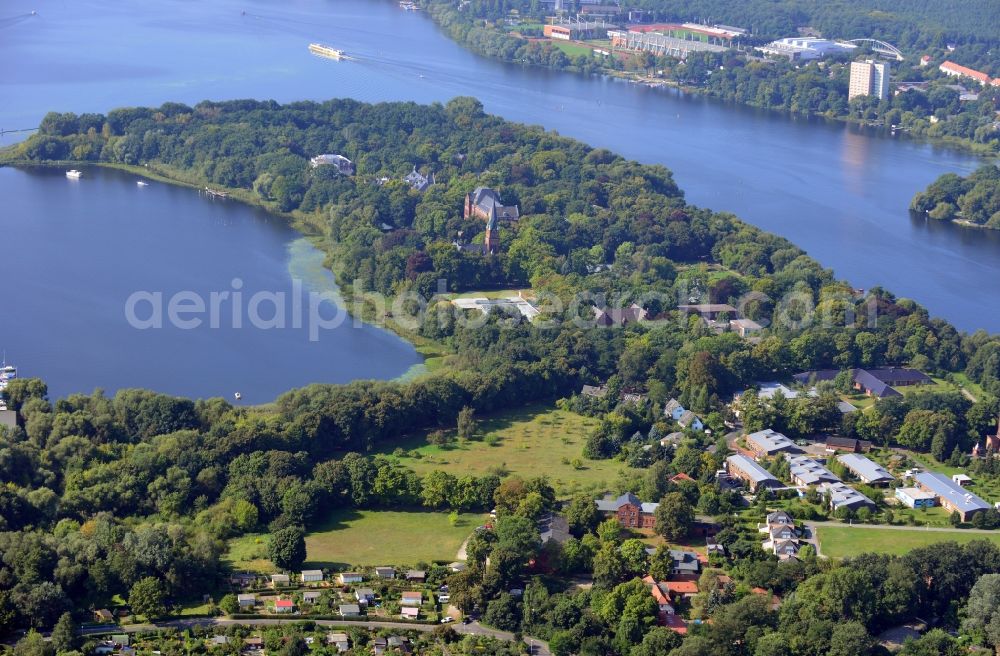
column 979, row 76
column 680, row 477
column 681, row 587
column 675, row 623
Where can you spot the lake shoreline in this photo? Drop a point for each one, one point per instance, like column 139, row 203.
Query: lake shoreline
column 306, row 226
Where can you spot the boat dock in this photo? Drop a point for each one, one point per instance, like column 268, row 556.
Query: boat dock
column 215, row 193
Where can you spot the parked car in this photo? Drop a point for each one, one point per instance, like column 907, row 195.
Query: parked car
column 447, row 619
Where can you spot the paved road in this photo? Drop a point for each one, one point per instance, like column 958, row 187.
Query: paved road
column 474, row 628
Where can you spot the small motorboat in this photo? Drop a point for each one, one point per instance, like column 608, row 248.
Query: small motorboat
column 238, row 396
column 73, row 174
column 142, row 183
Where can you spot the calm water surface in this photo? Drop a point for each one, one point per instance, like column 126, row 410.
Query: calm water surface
column 837, row 191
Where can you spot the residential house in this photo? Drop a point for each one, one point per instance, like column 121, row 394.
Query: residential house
column 950, row 495
column 745, row 327
column 632, row 397
column 842, row 496
column 866, row 470
column 413, row 598
column 103, row 616
column 349, row 610
column 418, row 181
column 684, row 563
column 339, row 641
column 311, row 596
column 786, row 548
column 681, row 589
column 660, row 595
column 741, row 467
column 246, row 600
column 418, row 575
column 676, row 478
column 805, row 471
column 768, row 442
column 312, row 575
column 594, row 392
column 552, row 526
column 278, row 580
column 672, row 440
column 484, row 203
column 409, row 613
column 673, row 409
column 347, row 578
column 385, row 572
column 457, row 566
column 342, row 165
column 675, row 623
column 619, row 316
column 708, row 310
column 914, row 497
column 629, row 511
column 691, row 420
column 364, row 596
column 253, row 644
column 284, row 606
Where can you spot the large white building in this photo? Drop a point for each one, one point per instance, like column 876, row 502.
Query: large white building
column 806, row 48
column 869, row 78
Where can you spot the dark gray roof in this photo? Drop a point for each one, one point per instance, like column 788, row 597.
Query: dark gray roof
column 612, row 505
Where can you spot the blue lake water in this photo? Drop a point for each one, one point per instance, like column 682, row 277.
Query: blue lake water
column 838, row 191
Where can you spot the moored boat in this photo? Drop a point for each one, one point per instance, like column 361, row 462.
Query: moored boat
column 73, row 174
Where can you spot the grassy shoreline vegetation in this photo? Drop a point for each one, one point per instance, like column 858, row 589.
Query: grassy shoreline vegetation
column 815, row 88
column 971, row 202
column 138, row 498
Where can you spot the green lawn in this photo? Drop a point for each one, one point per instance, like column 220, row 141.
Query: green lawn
column 534, row 441
column 572, row 49
column 367, row 538
column 839, row 542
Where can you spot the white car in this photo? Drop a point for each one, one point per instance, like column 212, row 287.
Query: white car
column 447, row 619
column 444, row 599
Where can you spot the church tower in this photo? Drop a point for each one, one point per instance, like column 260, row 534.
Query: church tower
column 492, row 242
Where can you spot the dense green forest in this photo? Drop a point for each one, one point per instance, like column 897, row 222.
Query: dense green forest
column 105, row 494
column 810, row 88
column 974, row 198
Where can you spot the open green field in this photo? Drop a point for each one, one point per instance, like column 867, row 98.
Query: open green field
column 534, row 441
column 367, row 538
column 843, row 541
column 572, row 49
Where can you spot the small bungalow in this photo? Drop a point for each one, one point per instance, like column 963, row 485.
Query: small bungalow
column 311, row 596
column 412, row 599
column 418, row 575
column 349, row 610
column 365, row 596
column 745, row 327
column 254, row 644
column 385, row 572
column 312, row 575
column 278, row 580
column 409, row 613
column 457, row 566
column 103, row 616
column 246, row 600
column 673, row 409
column 284, row 606
column 339, row 641
column 691, row 420
column 346, row 578
column 594, row 391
